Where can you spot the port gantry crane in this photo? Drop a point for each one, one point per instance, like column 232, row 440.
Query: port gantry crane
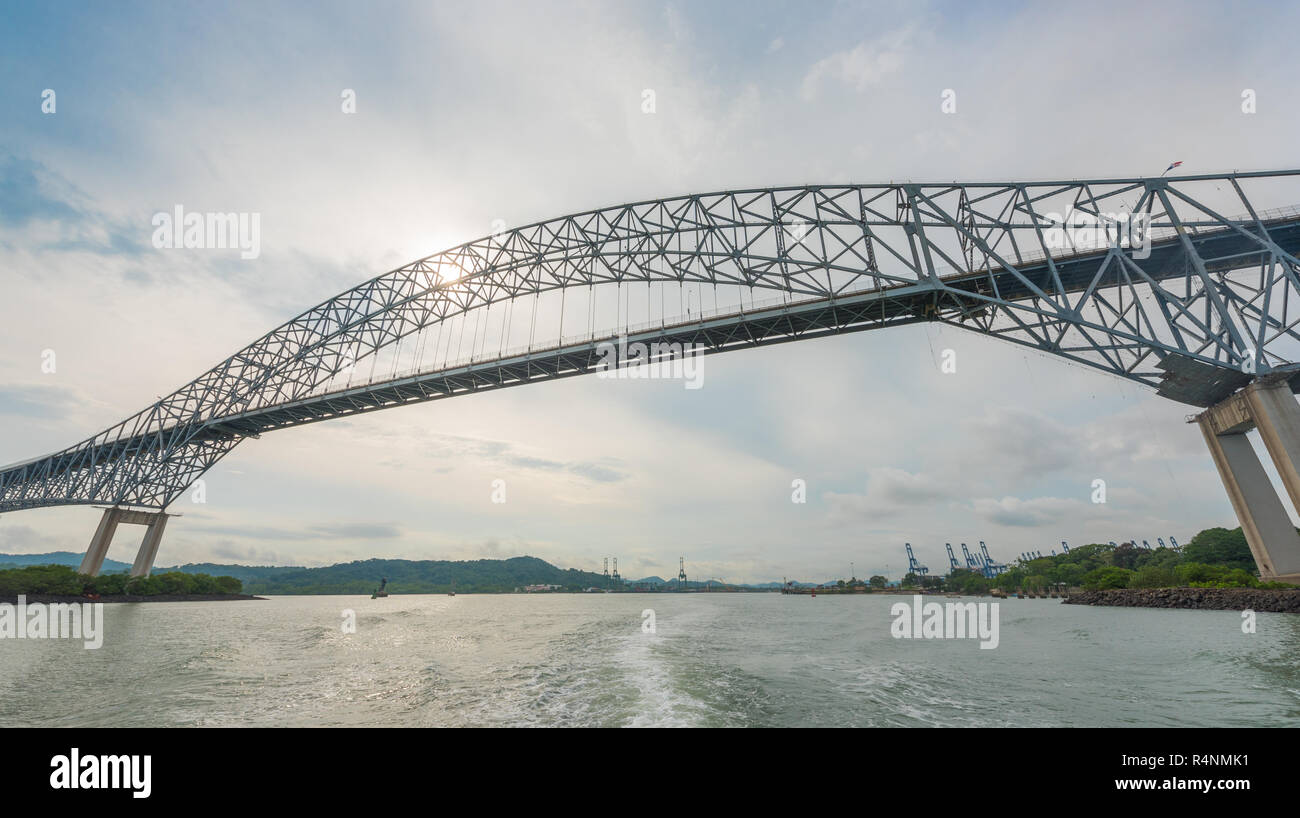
column 913, row 566
column 952, row 558
column 991, row 568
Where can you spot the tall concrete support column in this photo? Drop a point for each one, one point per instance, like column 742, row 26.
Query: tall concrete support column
column 1269, row 532
column 94, row 559
column 149, row 545
column 156, row 522
column 1268, row 404
column 1276, row 413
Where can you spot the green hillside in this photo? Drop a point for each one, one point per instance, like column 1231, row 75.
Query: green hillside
column 406, row 576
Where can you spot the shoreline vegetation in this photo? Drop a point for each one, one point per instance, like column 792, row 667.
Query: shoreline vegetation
column 1215, row 559
column 61, row 583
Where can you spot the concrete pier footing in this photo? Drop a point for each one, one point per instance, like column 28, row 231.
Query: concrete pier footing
column 1269, row 405
column 155, row 523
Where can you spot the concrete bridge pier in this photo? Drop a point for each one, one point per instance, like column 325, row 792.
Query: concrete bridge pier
column 1269, row 405
column 94, row 559
column 155, row 523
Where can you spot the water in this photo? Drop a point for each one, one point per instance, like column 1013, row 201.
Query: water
column 714, row 660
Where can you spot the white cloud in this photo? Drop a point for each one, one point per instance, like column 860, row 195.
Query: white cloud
column 865, row 65
column 1013, row 511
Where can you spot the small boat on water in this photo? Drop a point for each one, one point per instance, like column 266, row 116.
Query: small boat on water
column 379, row 592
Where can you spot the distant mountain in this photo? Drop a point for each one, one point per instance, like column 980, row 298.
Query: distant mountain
column 59, row 558
column 404, row 576
column 243, row 573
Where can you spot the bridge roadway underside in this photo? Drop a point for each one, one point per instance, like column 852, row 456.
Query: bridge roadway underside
column 951, row 299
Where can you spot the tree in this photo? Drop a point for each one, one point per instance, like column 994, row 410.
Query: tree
column 1159, row 557
column 1069, row 574
column 965, row 581
column 1125, row 556
column 1108, row 577
column 1010, row 579
column 878, row 582
column 62, row 580
column 1155, row 576
column 1219, row 546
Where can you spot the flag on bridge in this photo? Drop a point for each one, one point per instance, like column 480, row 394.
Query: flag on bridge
column 1171, row 167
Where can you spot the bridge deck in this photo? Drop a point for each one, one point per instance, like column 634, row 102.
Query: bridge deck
column 809, row 318
column 948, row 297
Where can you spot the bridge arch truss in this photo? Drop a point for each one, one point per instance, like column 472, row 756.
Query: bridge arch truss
column 1205, row 302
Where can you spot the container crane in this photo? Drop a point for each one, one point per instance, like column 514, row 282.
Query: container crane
column 912, row 565
column 992, row 568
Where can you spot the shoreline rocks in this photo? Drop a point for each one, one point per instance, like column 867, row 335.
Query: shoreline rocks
column 1203, row 599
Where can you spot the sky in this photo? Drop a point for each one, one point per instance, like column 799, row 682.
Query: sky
column 468, row 115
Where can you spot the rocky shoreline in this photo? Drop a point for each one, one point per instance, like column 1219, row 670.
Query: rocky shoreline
column 57, row 598
column 1203, row 599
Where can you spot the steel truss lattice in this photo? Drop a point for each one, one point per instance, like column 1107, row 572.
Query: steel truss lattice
column 1211, row 305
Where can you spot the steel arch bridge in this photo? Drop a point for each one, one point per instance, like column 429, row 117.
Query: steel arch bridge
column 1211, row 303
